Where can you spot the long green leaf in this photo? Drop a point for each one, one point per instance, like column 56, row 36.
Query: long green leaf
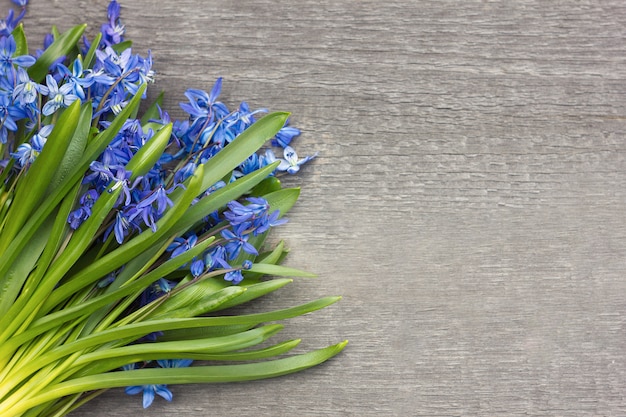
column 126, row 252
column 211, row 345
column 31, row 188
column 21, row 46
column 61, row 46
column 254, row 291
column 77, row 245
column 143, row 328
column 13, row 280
column 95, row 147
column 149, row 153
column 90, row 306
column 96, row 367
column 193, row 375
column 75, row 149
column 278, row 270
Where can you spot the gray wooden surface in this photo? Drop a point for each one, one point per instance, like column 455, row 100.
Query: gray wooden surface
column 468, row 201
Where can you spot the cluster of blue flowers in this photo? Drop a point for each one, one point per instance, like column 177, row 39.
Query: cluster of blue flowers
column 108, row 82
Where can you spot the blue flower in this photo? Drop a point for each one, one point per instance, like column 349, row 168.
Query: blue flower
column 237, row 213
column 159, row 195
column 268, row 221
column 8, row 123
column 59, row 98
column 234, row 276
column 237, row 240
column 181, row 245
column 285, row 135
column 149, row 392
column 121, row 227
column 7, row 60
column 216, row 258
column 26, row 91
column 291, row 163
column 197, row 267
column 27, row 152
column 203, row 108
column 113, row 30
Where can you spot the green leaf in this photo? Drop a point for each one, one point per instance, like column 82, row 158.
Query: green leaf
column 278, row 270
column 266, row 186
column 129, row 249
column 61, row 46
column 88, row 308
column 254, row 291
column 122, row 46
column 95, row 147
column 194, row 301
column 75, row 149
column 192, row 375
column 140, row 329
column 244, row 145
column 221, row 197
column 211, row 345
column 282, row 200
column 95, row 44
column 21, row 46
column 149, row 153
column 30, row 190
column 80, row 241
column 153, row 111
column 13, row 280
column 96, row 367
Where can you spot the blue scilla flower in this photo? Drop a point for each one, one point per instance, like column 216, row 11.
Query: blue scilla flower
column 291, row 163
column 122, row 227
column 82, row 213
column 113, row 30
column 197, row 267
column 203, row 108
column 6, row 118
column 158, row 289
column 7, row 60
column 158, row 196
column 234, row 277
column 26, row 90
column 243, row 118
column 27, row 152
column 238, row 213
column 58, row 98
column 149, row 391
column 285, row 135
column 237, row 239
column 80, row 79
column 185, row 172
column 181, row 245
column 267, row 221
column 7, row 25
column 21, row 3
column 77, row 217
column 216, row 258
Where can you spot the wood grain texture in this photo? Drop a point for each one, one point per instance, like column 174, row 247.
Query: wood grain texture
column 468, row 201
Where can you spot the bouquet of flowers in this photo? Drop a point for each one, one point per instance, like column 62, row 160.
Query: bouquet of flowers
column 122, row 233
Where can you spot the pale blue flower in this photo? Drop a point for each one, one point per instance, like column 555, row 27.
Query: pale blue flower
column 291, row 163
column 58, row 98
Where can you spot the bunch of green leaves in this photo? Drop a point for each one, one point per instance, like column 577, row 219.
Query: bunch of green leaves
column 63, row 336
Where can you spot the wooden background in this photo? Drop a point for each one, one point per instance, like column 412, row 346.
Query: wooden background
column 468, row 201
